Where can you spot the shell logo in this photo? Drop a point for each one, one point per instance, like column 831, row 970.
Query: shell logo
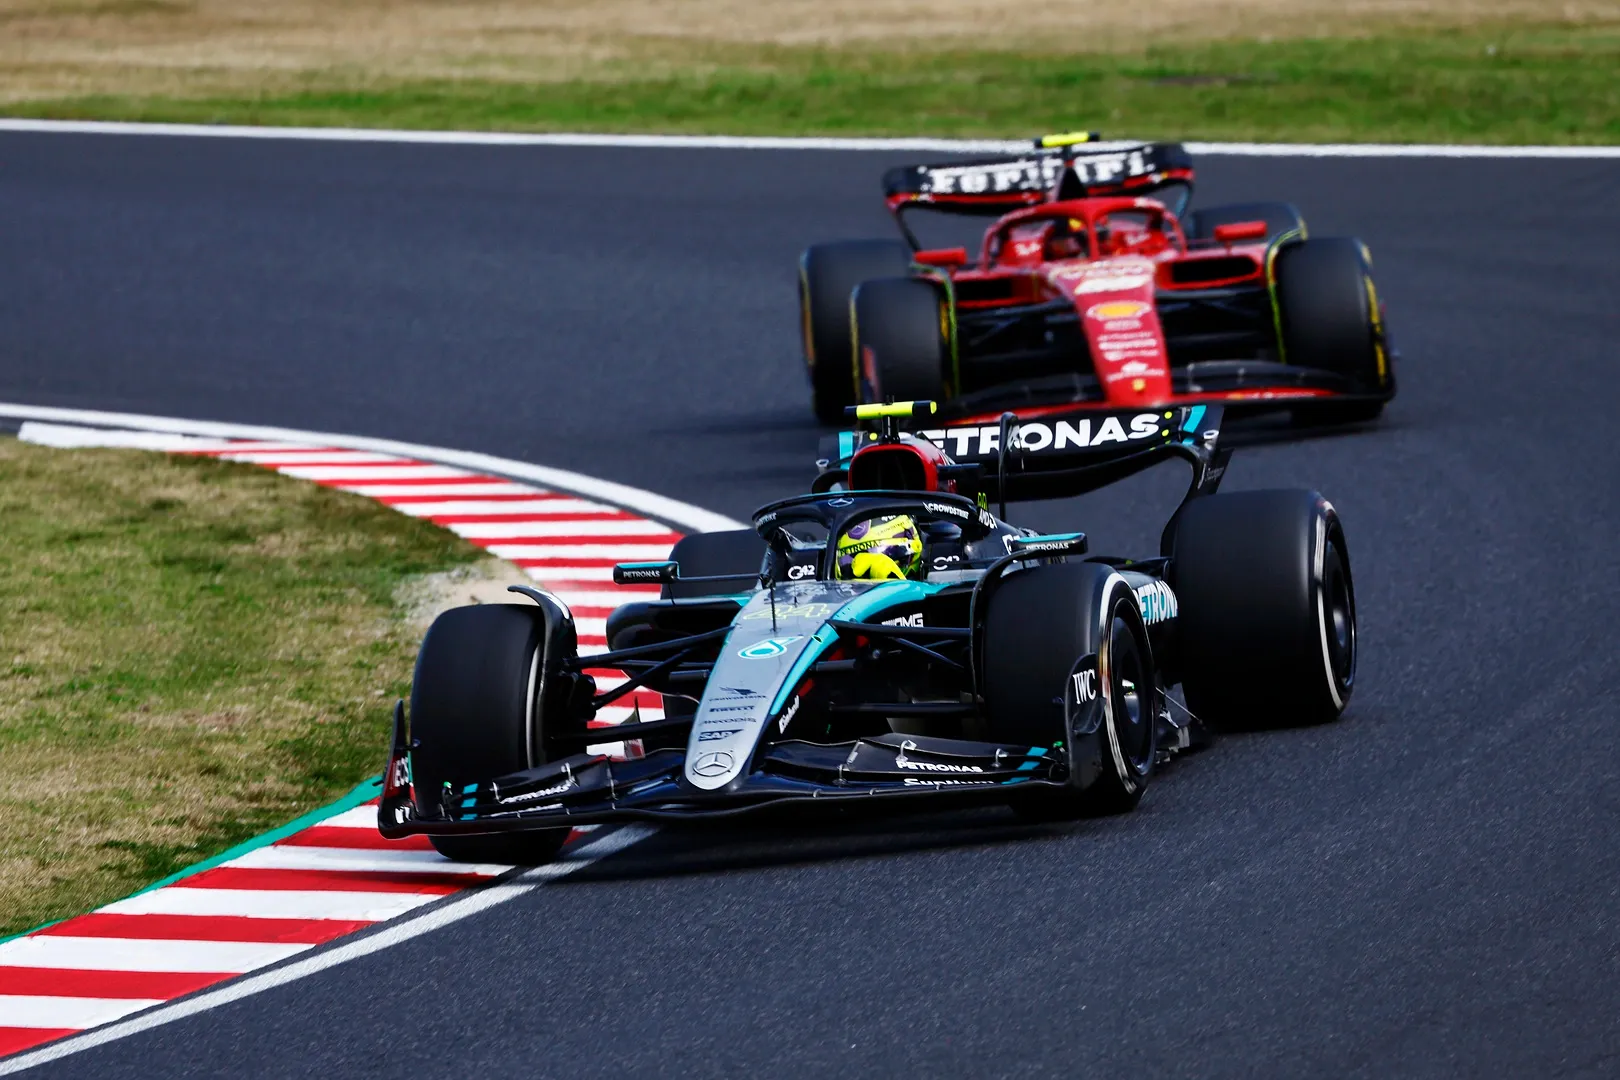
column 1117, row 309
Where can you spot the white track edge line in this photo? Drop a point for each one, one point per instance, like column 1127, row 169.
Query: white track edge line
column 649, row 503
column 768, row 142
column 595, row 847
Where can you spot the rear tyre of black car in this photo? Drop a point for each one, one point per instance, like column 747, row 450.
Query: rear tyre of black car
column 1039, row 622
column 1330, row 319
column 902, row 343
column 1267, row 609
column 828, row 274
column 1280, row 218
column 475, row 716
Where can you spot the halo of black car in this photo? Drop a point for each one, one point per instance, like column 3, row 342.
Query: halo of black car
column 1148, row 304
column 1015, row 668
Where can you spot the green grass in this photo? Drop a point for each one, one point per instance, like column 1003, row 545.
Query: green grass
column 191, row 652
column 1514, row 84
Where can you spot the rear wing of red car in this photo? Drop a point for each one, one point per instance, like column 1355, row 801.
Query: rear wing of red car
column 995, row 186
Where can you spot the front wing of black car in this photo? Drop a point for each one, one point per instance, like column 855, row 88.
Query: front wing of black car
column 593, row 788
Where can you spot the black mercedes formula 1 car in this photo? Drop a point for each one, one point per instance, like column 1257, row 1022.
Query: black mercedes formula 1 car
column 886, row 639
column 1095, row 285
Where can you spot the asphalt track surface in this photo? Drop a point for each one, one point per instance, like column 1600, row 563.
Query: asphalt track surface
column 1428, row 887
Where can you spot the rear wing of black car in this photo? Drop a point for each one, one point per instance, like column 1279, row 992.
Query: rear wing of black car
column 996, row 185
column 1058, row 453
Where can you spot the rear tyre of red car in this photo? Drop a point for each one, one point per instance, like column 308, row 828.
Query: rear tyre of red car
column 1039, row 622
column 1330, row 319
column 476, row 714
column 902, row 328
column 828, row 274
column 1267, row 609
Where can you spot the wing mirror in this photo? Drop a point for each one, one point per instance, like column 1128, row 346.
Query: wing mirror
column 1053, row 544
column 643, row 573
column 1241, row 230
column 956, row 256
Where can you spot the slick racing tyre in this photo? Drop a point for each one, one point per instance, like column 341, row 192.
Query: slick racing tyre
column 1329, row 315
column 1039, row 622
column 1280, row 218
column 902, row 345
column 1267, row 609
column 828, row 274
column 475, row 716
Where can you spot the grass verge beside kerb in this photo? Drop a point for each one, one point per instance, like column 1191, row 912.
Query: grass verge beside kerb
column 192, row 652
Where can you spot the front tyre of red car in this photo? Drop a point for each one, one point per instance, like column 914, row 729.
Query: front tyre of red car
column 902, row 344
column 828, row 275
column 1331, row 320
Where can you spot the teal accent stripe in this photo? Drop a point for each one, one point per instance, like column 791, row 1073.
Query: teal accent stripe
column 846, row 445
column 1193, row 417
column 820, row 642
column 885, row 594
column 363, row 792
column 1034, row 752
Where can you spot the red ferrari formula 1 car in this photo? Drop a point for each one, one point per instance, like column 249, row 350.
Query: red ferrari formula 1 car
column 1094, row 286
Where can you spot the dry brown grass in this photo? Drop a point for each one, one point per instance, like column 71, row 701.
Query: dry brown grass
column 189, row 48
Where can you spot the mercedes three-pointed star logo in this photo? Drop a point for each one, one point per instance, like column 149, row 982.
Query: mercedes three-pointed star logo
column 714, row 763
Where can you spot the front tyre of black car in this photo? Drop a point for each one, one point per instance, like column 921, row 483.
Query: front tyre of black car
column 1267, row 609
column 1039, row 622
column 475, row 716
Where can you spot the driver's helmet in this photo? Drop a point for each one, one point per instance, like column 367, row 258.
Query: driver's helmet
column 879, row 549
column 1066, row 240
